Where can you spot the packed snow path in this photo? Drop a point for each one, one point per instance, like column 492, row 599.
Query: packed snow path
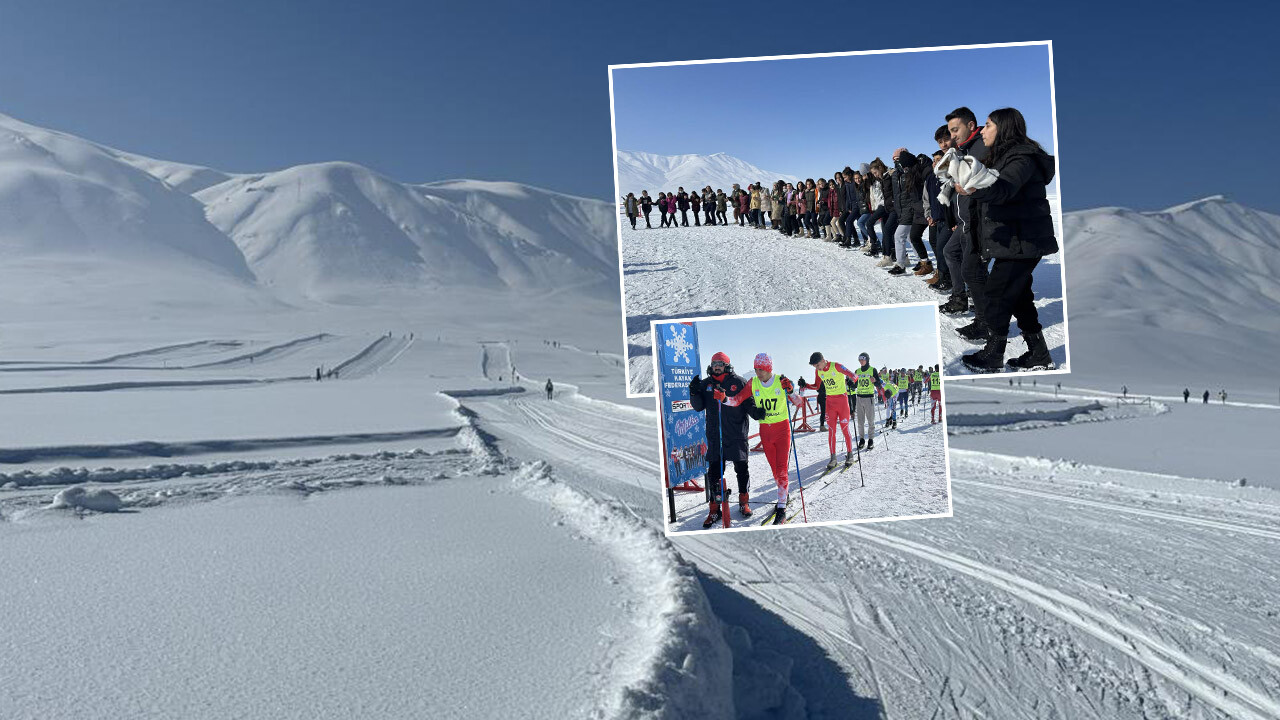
column 1032, row 601
column 707, row 271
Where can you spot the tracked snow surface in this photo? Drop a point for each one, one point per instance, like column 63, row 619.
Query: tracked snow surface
column 424, row 533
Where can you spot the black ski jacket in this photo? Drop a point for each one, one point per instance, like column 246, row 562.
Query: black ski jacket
column 1012, row 216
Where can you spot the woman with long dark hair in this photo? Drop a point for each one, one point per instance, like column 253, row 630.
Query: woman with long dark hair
column 1015, row 229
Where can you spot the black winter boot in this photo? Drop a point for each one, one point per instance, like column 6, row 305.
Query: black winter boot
column 955, row 305
column 975, row 331
column 1036, row 356
column 990, row 358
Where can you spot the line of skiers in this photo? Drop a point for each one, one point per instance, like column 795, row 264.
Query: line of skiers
column 729, row 400
column 980, row 197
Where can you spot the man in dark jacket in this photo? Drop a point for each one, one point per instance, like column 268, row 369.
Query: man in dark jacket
column 967, row 138
column 682, row 202
column 726, row 428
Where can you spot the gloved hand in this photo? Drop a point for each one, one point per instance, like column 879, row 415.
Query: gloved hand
column 695, row 385
column 803, row 383
column 786, row 384
column 718, row 395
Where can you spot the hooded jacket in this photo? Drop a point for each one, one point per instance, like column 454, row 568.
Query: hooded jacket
column 1012, row 215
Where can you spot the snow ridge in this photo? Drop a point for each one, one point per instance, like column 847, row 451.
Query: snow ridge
column 684, row 667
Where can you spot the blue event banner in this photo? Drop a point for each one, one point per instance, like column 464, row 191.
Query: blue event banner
column 684, row 432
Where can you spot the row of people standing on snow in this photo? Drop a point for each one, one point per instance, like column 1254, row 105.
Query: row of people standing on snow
column 980, row 197
column 729, row 400
column 748, row 207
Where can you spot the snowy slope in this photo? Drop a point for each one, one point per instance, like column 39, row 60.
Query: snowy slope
column 646, row 171
column 1176, row 295
column 63, row 197
column 331, row 229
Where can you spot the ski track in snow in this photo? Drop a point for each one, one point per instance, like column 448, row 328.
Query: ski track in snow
column 1002, row 610
column 682, row 272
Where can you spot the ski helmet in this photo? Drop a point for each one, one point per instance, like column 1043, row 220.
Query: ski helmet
column 815, row 358
column 864, row 358
column 764, row 362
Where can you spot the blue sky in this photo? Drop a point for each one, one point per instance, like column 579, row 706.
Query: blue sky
column 848, row 128
column 1156, row 104
column 893, row 337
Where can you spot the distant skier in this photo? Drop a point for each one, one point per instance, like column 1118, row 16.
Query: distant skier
column 318, row 378
column 550, row 388
column 726, row 428
column 1224, row 397
column 935, row 394
column 1124, row 390
column 890, row 391
column 904, row 391
column 1206, row 397
column 770, row 396
column 1186, row 395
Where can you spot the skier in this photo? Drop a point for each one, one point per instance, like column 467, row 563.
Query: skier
column 903, row 390
column 935, row 394
column 867, row 382
column 1124, row 390
column 769, row 396
column 726, row 431
column 1186, row 395
column 1206, row 397
column 831, row 375
column 890, row 392
column 550, row 388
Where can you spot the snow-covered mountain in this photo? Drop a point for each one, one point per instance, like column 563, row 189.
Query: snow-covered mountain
column 63, row 197
column 116, row 222
column 328, row 228
column 646, row 171
column 1185, row 294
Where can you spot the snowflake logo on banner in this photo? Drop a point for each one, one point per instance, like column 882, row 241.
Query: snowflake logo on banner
column 679, row 343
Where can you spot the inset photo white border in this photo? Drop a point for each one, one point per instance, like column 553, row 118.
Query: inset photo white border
column 661, row 144
column 904, row 465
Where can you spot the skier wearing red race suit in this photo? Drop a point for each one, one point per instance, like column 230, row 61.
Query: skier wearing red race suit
column 769, row 394
column 832, row 376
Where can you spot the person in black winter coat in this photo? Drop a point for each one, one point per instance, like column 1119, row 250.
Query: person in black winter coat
column 727, row 426
column 1015, row 229
column 682, row 202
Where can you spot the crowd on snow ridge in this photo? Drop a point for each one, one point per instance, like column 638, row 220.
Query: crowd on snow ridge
column 981, row 198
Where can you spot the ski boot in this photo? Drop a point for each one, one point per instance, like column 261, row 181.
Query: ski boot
column 1036, row 356
column 743, row 506
column 780, row 517
column 848, row 458
column 862, row 442
column 713, row 517
column 871, row 444
column 895, row 423
column 831, row 463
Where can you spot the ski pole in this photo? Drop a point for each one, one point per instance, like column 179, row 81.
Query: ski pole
column 800, row 483
column 884, row 435
column 857, row 447
column 724, row 482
